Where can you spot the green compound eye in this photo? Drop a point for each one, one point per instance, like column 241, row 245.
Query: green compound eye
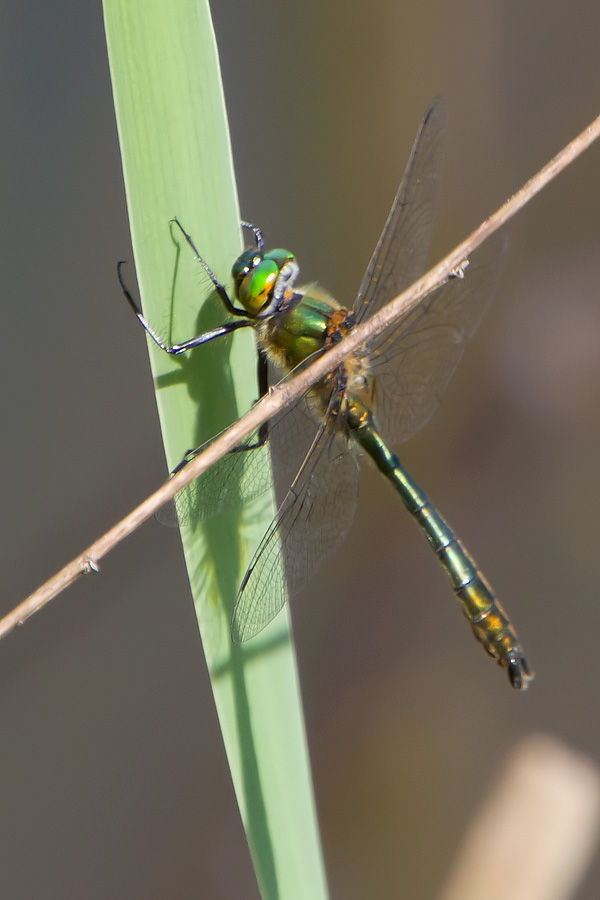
column 279, row 256
column 244, row 264
column 255, row 288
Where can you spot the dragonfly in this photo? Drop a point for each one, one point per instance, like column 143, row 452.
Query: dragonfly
column 380, row 395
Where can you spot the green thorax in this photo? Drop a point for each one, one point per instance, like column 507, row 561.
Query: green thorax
column 302, row 326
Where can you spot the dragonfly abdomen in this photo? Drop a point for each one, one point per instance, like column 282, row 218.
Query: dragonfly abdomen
column 488, row 620
column 484, row 612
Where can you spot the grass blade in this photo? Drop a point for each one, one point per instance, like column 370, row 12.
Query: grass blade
column 177, row 161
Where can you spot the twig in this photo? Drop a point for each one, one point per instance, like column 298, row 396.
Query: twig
column 535, row 834
column 283, row 394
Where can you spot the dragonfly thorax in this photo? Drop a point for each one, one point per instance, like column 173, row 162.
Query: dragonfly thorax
column 260, row 279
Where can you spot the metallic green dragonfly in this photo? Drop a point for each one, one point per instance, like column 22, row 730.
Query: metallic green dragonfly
column 377, row 397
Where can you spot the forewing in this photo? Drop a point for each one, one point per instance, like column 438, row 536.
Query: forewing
column 415, row 358
column 401, row 253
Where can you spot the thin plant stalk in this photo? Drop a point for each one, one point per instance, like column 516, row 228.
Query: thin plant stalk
column 283, row 394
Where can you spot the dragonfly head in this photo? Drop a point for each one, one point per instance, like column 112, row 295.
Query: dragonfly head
column 261, row 278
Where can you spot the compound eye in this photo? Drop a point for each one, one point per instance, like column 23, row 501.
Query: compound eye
column 247, row 261
column 281, row 257
column 255, row 288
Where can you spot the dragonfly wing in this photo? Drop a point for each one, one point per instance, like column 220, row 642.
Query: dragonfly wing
column 400, row 255
column 233, row 481
column 311, row 523
column 292, row 433
column 415, row 358
column 244, row 474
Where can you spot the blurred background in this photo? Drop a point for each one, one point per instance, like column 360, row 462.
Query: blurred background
column 114, row 781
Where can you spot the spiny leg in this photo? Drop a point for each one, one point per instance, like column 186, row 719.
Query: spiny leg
column 263, row 431
column 175, row 349
column 219, row 288
column 257, row 232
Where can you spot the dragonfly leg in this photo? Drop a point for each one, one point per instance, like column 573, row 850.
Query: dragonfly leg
column 189, row 455
column 262, row 434
column 263, row 431
column 257, row 232
column 219, row 288
column 262, row 377
column 176, row 349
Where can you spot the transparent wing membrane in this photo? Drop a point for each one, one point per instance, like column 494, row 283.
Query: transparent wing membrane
column 400, row 255
column 415, row 358
column 312, row 521
column 233, row 481
column 250, row 470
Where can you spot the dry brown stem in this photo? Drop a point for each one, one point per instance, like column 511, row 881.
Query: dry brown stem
column 283, row 394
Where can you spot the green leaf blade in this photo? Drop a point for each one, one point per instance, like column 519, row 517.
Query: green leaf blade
column 177, row 161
